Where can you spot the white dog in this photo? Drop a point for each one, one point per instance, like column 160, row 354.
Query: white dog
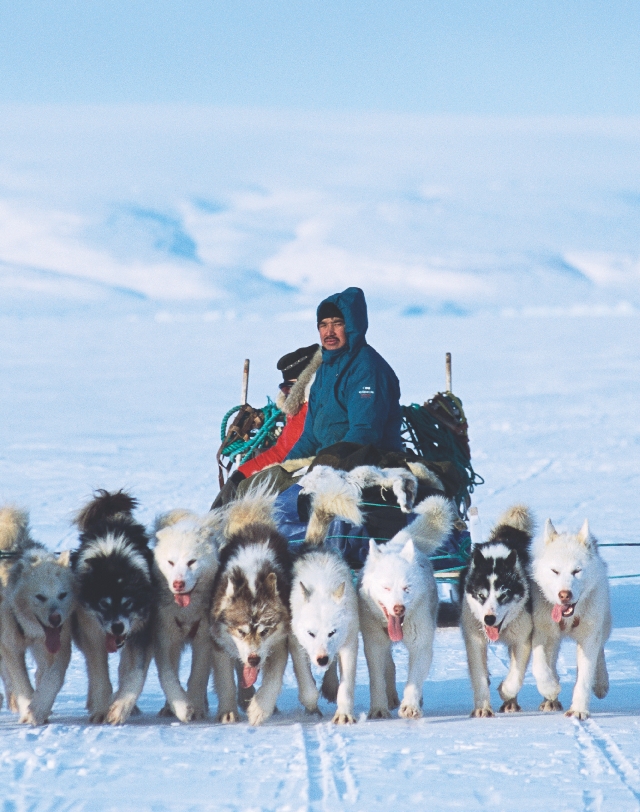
column 35, row 614
column 186, row 562
column 398, row 600
column 324, row 622
column 570, row 599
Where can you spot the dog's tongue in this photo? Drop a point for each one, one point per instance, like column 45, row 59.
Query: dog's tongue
column 492, row 633
column 52, row 639
column 394, row 628
column 112, row 643
column 183, row 599
column 556, row 613
column 249, row 676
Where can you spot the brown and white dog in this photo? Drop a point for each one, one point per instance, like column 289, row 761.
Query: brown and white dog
column 250, row 613
column 34, row 614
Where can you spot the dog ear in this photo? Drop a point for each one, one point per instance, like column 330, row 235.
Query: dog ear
column 271, row 582
column 64, row 559
column 230, row 588
column 510, row 560
column 549, row 532
column 584, row 536
column 338, row 594
column 408, row 551
column 374, row 550
column 478, row 557
column 306, row 593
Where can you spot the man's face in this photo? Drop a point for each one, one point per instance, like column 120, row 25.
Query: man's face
column 332, row 333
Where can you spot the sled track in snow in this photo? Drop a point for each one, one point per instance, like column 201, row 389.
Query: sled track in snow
column 331, row 782
column 597, row 747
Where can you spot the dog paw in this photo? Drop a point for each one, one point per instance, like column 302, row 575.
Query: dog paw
column 119, row 712
column 510, row 706
column 578, row 714
column 600, row 691
column 550, row 705
column 31, row 717
column 482, row 713
column 199, row 714
column 97, row 717
column 166, row 712
column 313, row 711
column 394, row 700
column 379, row 713
column 340, row 718
column 228, row 717
column 409, row 711
column 183, row 711
column 257, row 715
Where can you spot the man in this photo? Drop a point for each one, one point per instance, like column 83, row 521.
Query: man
column 356, row 395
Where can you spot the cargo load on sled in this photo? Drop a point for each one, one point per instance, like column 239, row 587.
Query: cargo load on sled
column 436, row 453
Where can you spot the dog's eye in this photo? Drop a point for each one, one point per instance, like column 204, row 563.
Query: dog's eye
column 555, row 572
column 311, row 634
column 41, row 598
column 575, row 572
column 241, row 633
column 332, row 633
column 191, row 563
column 387, row 588
column 62, row 596
column 406, row 589
column 104, row 603
column 170, row 563
column 127, row 603
column 264, row 632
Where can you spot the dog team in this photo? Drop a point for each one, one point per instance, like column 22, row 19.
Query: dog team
column 228, row 585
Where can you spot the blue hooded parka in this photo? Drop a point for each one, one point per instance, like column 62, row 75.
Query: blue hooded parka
column 355, row 397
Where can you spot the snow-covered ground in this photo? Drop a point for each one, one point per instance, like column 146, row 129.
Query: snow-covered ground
column 98, row 399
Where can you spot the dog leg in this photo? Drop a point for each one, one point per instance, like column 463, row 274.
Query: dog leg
column 420, row 656
column 225, row 684
column 476, row 647
column 307, row 691
column 509, row 688
column 601, row 684
column 348, row 655
column 167, row 652
column 89, row 638
column 16, row 666
column 262, row 705
column 201, row 662
column 588, row 652
column 132, row 672
column 51, row 683
column 331, row 683
column 377, row 652
column 543, row 666
column 390, row 681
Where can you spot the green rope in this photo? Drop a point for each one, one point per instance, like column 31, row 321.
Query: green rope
column 263, row 438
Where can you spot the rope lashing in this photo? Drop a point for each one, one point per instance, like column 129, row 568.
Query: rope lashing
column 263, row 438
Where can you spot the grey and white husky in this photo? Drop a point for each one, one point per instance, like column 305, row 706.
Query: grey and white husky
column 570, row 599
column 250, row 613
column 496, row 607
column 398, row 601
column 186, row 562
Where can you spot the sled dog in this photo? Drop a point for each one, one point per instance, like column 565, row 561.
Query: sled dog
column 570, row 599
column 398, row 600
column 35, row 614
column 496, row 607
column 324, row 625
column 336, row 494
column 250, row 612
column 115, row 590
column 186, row 561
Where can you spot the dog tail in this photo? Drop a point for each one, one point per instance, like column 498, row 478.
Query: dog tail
column 255, row 506
column 403, row 483
column 171, row 517
column 333, row 496
column 103, row 506
column 436, row 516
column 14, row 529
column 520, row 518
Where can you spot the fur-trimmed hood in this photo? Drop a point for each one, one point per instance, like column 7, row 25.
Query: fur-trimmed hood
column 299, row 393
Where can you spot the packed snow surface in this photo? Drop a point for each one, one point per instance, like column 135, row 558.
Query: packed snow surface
column 135, row 400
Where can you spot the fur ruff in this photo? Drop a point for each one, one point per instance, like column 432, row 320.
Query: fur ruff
column 292, row 403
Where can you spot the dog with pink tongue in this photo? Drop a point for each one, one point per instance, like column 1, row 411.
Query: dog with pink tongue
column 185, row 562
column 398, row 602
column 570, row 600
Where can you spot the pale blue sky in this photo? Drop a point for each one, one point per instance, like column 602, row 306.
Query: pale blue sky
column 425, row 56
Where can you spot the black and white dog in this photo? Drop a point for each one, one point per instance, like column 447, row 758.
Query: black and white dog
column 496, row 607
column 115, row 591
